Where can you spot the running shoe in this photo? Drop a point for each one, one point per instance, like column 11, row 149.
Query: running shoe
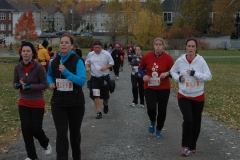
column 105, row 108
column 158, row 134
column 48, row 150
column 142, row 105
column 185, row 151
column 117, row 78
column 99, row 115
column 193, row 151
column 151, row 128
column 132, row 104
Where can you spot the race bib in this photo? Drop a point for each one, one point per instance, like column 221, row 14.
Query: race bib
column 135, row 68
column 64, row 85
column 96, row 92
column 192, row 84
column 154, row 81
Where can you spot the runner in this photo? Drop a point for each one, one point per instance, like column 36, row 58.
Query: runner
column 154, row 68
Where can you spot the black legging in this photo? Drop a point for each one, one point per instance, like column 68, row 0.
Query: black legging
column 116, row 68
column 159, row 97
column 192, row 117
column 137, row 88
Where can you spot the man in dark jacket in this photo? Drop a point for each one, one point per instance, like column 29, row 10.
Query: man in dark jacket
column 116, row 55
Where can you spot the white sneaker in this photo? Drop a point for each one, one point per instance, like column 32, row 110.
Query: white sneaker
column 141, row 105
column 132, row 104
column 48, row 150
column 28, row 158
column 117, row 78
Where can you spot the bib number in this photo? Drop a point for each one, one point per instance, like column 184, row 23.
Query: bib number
column 96, row 92
column 192, row 84
column 154, row 81
column 64, row 85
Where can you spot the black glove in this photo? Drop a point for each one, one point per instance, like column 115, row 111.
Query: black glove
column 180, row 78
column 192, row 73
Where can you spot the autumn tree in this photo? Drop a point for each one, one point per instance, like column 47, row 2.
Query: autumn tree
column 154, row 6
column 129, row 9
column 224, row 11
column 113, row 24
column 25, row 28
column 194, row 14
column 147, row 29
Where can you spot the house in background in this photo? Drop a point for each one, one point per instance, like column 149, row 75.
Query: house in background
column 52, row 18
column 6, row 19
column 25, row 6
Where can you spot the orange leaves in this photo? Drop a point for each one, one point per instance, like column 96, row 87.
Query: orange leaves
column 25, row 28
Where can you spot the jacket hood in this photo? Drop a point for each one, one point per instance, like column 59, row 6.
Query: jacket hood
column 183, row 57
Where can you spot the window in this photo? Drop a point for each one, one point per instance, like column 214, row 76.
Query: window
column 44, row 17
column 212, row 16
column 167, row 16
column 2, row 27
column 2, row 16
column 9, row 27
column 102, row 15
column 95, row 24
column 102, row 24
column 9, row 16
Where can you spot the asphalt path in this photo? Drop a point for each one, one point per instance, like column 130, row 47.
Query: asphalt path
column 122, row 134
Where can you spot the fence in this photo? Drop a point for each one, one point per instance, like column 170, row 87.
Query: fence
column 235, row 44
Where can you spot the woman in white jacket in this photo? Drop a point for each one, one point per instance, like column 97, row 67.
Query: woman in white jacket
column 190, row 71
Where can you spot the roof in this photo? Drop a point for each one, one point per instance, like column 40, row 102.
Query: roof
column 52, row 10
column 91, row 10
column 6, row 6
column 102, row 8
column 168, row 5
column 25, row 6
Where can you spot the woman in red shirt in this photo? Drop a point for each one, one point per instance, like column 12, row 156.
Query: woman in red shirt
column 154, row 68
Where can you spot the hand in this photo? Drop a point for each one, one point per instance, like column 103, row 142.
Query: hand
column 22, row 83
column 88, row 69
column 61, row 67
column 181, row 79
column 146, row 78
column 163, row 75
column 52, row 86
column 191, row 72
column 130, row 66
column 103, row 68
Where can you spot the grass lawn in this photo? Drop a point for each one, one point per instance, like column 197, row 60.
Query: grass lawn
column 222, row 94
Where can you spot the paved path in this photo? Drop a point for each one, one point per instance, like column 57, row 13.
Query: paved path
column 122, row 133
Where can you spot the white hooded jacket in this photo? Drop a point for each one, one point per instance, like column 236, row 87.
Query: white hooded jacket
column 193, row 85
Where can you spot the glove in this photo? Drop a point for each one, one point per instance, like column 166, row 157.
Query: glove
column 192, row 73
column 18, row 85
column 27, row 87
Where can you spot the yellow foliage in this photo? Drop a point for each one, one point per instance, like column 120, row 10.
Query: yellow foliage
column 147, row 27
column 223, row 16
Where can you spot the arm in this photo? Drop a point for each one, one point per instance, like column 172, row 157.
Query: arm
column 50, row 79
column 206, row 75
column 41, row 78
column 46, row 55
column 16, row 83
column 80, row 77
column 174, row 71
